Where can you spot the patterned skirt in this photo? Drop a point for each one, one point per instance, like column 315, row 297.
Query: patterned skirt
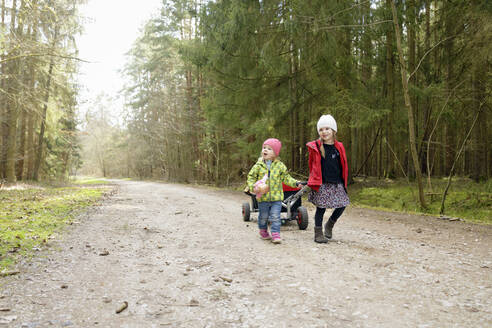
column 329, row 195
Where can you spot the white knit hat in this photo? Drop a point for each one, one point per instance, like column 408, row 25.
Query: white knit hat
column 327, row 121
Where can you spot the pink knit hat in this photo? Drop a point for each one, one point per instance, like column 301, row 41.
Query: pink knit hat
column 275, row 144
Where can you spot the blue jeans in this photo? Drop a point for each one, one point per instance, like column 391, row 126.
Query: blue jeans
column 269, row 211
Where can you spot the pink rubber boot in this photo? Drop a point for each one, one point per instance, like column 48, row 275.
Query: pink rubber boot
column 264, row 234
column 276, row 238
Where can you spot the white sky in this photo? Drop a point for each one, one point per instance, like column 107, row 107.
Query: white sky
column 113, row 27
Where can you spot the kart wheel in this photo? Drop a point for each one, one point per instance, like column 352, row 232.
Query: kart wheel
column 302, row 218
column 246, row 212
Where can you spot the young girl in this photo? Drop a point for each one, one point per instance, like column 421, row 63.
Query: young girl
column 265, row 179
column 328, row 172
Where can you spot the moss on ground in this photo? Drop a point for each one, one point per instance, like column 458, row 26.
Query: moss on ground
column 466, row 199
column 90, row 181
column 30, row 216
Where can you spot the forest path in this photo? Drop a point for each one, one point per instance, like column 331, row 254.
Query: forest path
column 181, row 256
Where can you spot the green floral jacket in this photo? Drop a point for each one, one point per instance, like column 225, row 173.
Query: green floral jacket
column 277, row 174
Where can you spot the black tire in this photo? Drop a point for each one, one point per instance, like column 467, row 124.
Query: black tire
column 246, row 212
column 302, row 218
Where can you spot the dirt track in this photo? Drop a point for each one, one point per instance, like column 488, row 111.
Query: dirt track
column 181, row 256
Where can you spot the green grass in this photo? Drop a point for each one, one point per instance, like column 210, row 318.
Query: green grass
column 466, row 199
column 89, row 181
column 30, row 217
column 94, row 181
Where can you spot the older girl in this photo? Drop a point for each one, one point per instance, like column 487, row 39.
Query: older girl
column 328, row 172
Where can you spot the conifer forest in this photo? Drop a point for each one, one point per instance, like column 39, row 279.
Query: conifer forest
column 409, row 83
column 133, row 194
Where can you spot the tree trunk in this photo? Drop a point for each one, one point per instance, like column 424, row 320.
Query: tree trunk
column 39, row 153
column 12, row 107
column 354, row 141
column 31, row 110
column 22, row 145
column 293, row 99
column 366, row 69
column 22, row 107
column 411, row 24
column 426, row 104
column 480, row 145
column 408, row 104
column 390, row 98
column 31, row 123
column 3, row 107
column 186, row 27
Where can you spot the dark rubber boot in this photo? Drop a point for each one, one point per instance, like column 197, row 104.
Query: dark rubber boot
column 329, row 229
column 318, row 235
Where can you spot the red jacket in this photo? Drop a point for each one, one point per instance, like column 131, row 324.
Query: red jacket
column 315, row 179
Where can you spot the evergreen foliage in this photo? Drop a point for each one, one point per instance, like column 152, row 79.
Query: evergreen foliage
column 213, row 80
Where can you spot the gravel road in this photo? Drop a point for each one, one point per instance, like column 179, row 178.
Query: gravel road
column 181, row 256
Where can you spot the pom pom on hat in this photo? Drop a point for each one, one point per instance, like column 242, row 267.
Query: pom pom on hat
column 275, row 144
column 327, row 121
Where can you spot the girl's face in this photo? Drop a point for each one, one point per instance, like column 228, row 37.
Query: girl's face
column 327, row 135
column 267, row 153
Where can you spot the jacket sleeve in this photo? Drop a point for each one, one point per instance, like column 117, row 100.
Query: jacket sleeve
column 312, row 164
column 345, row 167
column 310, row 160
column 287, row 179
column 253, row 176
column 315, row 179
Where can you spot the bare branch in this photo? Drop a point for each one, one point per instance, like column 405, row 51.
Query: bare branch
column 339, row 12
column 356, row 25
column 432, row 133
column 42, row 55
column 423, row 57
column 451, row 172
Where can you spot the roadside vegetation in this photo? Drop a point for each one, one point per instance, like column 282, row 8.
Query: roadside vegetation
column 466, row 199
column 31, row 215
column 90, row 181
